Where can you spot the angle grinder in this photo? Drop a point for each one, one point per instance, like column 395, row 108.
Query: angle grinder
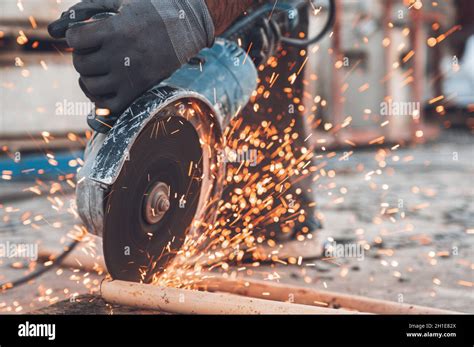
column 152, row 178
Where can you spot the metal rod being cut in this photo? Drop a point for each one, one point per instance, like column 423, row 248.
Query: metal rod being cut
column 183, row 301
column 308, row 296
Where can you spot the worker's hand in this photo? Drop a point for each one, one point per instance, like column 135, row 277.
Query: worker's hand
column 120, row 57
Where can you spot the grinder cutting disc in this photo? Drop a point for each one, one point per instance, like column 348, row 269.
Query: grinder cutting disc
column 154, row 200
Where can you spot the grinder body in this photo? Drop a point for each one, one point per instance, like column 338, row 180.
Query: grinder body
column 170, row 137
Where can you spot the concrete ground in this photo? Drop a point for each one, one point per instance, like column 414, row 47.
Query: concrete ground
column 416, row 215
column 425, row 258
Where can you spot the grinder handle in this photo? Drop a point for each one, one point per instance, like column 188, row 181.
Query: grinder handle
column 58, row 29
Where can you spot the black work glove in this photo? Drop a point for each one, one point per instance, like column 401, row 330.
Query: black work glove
column 122, row 56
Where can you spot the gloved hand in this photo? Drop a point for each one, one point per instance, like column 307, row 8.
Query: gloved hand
column 120, row 57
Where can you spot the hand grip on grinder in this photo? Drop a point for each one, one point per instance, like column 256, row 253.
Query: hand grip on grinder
column 99, row 119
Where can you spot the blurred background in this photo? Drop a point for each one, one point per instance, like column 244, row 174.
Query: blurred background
column 390, row 93
column 369, row 59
